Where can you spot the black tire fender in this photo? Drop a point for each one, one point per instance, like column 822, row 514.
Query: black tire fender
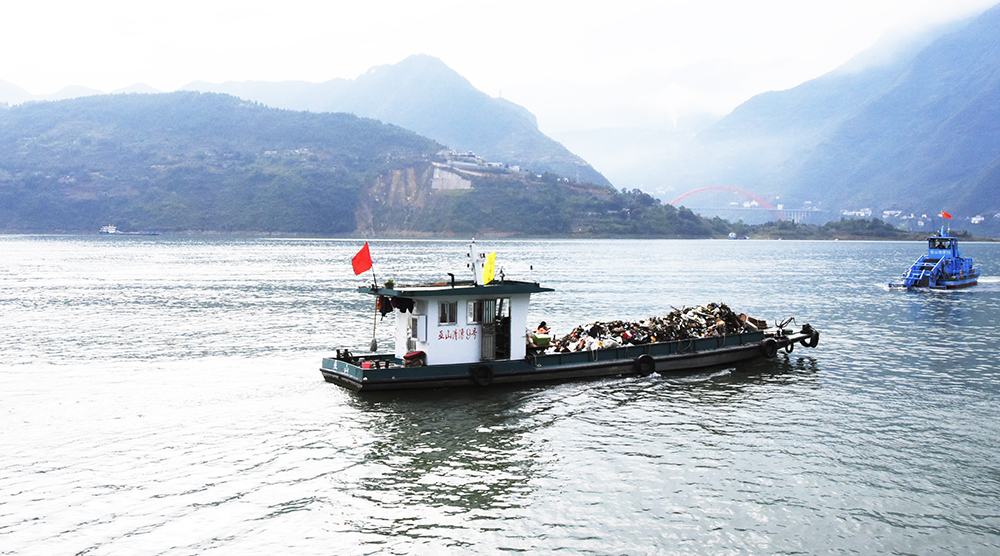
column 482, row 375
column 812, row 341
column 790, row 347
column 769, row 347
column 644, row 365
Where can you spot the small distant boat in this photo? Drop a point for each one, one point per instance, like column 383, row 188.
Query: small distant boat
column 469, row 333
column 113, row 230
column 942, row 268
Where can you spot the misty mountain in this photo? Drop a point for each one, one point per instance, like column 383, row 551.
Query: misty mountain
column 915, row 130
column 627, row 155
column 137, row 88
column 71, row 91
column 211, row 162
column 190, row 161
column 424, row 95
column 13, row 94
column 931, row 139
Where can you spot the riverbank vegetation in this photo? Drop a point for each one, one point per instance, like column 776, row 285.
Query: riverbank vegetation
column 843, row 229
column 191, row 162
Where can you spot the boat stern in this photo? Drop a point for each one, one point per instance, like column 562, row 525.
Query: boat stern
column 351, row 371
column 342, row 373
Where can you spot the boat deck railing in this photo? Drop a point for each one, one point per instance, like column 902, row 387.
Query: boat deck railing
column 348, row 363
column 924, row 268
column 628, row 352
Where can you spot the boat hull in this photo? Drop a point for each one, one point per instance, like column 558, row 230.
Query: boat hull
column 941, row 283
column 954, row 284
column 942, row 268
column 661, row 357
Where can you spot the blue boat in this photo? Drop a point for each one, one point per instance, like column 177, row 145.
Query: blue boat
column 472, row 333
column 942, row 268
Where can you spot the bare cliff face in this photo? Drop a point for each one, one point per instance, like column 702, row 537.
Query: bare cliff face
column 393, row 200
column 448, row 199
column 433, row 198
column 405, row 201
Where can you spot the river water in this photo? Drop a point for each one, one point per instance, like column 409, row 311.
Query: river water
column 161, row 395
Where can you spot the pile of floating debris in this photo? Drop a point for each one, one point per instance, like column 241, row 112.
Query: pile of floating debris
column 714, row 319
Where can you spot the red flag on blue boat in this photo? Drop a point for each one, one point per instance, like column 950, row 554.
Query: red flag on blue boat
column 362, row 261
column 945, row 214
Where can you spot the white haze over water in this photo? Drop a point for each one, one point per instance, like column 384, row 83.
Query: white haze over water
column 574, row 65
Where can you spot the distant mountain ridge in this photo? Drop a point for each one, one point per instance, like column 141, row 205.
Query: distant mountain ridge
column 420, row 93
column 188, row 161
column 14, row 94
column 916, row 134
column 936, row 130
column 424, row 95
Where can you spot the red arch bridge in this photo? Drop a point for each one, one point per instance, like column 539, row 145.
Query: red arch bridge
column 764, row 205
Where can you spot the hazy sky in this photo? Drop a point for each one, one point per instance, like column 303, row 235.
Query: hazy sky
column 576, row 65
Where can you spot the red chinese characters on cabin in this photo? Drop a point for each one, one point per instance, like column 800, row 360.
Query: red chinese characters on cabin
column 458, row 334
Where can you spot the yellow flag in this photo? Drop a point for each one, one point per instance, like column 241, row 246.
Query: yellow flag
column 488, row 274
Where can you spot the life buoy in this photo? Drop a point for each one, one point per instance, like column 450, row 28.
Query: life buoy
column 644, row 365
column 769, row 347
column 482, row 375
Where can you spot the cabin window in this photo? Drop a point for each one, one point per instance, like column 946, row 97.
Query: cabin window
column 448, row 312
column 475, row 312
column 418, row 328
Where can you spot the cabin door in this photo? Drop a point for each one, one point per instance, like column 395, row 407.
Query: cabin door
column 489, row 338
column 496, row 329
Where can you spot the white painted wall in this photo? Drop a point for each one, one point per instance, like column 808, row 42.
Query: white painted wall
column 518, row 323
column 460, row 342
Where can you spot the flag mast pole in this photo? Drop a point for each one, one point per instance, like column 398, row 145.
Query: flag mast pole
column 374, row 347
column 359, row 261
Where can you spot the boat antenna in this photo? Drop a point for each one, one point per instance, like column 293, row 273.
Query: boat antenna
column 374, row 346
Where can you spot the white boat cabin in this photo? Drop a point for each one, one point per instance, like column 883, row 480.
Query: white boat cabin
column 461, row 321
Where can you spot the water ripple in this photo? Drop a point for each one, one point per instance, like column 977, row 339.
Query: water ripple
column 160, row 396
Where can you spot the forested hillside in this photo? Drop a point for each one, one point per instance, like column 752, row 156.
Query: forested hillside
column 189, row 161
column 212, row 162
column 423, row 94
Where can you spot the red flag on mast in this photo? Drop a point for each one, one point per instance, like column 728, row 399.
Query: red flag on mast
column 362, row 261
column 946, row 215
